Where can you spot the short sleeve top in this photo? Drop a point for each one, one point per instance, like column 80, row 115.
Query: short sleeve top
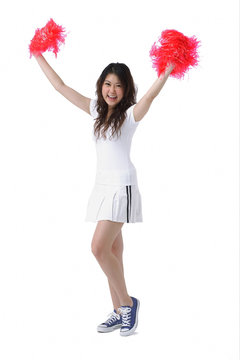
column 114, row 165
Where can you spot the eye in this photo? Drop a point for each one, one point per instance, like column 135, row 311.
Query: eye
column 107, row 83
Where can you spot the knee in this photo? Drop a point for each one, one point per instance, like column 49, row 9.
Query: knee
column 117, row 249
column 98, row 249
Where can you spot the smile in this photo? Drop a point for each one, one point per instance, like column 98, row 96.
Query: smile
column 112, row 97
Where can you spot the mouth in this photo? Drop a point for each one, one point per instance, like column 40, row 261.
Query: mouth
column 112, row 98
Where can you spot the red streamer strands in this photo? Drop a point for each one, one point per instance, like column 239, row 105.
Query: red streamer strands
column 174, row 47
column 50, row 37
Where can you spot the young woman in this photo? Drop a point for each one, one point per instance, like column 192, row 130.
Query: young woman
column 115, row 198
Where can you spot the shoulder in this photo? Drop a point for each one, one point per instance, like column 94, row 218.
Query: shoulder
column 130, row 116
column 93, row 108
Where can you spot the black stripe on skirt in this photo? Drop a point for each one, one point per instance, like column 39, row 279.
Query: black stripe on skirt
column 129, row 198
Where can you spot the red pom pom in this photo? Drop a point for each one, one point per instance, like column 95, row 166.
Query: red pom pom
column 177, row 49
column 50, row 37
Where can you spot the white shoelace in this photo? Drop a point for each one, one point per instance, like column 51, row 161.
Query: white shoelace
column 126, row 316
column 113, row 317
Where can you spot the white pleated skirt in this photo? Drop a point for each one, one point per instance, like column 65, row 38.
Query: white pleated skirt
column 116, row 203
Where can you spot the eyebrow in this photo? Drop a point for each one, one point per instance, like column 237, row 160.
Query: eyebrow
column 111, row 82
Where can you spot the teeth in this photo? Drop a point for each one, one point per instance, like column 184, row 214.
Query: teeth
column 112, row 97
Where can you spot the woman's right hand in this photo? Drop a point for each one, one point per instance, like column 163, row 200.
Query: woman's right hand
column 169, row 68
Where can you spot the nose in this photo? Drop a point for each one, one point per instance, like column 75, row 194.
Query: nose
column 112, row 89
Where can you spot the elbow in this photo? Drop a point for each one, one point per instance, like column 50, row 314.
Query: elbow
column 58, row 85
column 151, row 94
column 150, row 97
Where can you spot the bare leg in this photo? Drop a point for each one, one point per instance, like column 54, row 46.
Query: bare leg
column 117, row 250
column 103, row 239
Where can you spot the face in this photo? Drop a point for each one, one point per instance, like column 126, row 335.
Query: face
column 112, row 90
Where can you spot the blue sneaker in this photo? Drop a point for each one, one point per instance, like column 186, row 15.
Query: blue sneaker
column 113, row 322
column 129, row 318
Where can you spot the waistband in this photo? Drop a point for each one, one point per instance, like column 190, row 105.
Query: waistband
column 117, row 177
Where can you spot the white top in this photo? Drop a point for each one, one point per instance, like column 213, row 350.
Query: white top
column 114, row 166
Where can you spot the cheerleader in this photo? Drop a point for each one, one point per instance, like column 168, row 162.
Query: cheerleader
column 115, row 114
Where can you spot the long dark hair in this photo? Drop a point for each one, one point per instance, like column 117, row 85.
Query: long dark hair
column 118, row 115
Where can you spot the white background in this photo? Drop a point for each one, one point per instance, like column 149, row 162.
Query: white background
column 182, row 261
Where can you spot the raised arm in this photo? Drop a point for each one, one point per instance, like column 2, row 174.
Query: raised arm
column 73, row 96
column 142, row 107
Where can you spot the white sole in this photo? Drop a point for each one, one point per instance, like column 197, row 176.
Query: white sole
column 130, row 332
column 108, row 329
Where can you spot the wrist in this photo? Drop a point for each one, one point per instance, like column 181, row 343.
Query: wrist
column 169, row 68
